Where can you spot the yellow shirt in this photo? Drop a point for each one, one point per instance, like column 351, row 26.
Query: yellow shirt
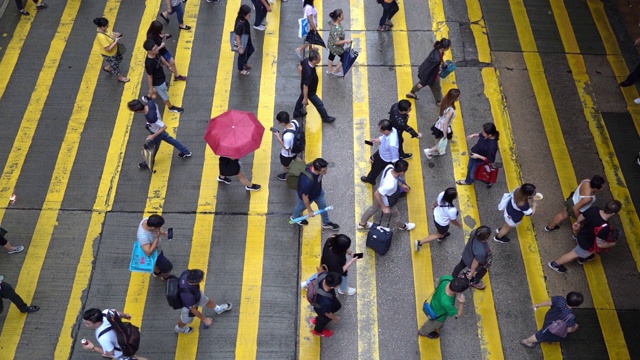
column 104, row 40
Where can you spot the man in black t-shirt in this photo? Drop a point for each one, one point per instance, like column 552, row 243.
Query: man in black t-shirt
column 156, row 78
column 326, row 306
column 587, row 223
column 309, row 86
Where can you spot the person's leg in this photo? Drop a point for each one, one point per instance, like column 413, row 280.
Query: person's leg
column 436, row 89
column 417, row 87
column 163, row 91
column 321, row 322
column 179, row 10
column 471, row 171
column 300, row 207
column 530, row 341
column 261, row 12
column 249, row 51
column 395, row 218
column 175, row 143
column 344, row 286
column 163, row 266
column 297, row 110
column 332, row 57
column 376, row 167
column 480, row 273
column 401, row 144
column 386, row 10
column 7, row 292
column 322, row 203
column 393, row 11
column 372, row 210
column 243, row 179
column 319, row 105
column 567, row 258
column 633, row 77
column 558, row 219
column 456, row 271
column 504, row 230
column 430, row 327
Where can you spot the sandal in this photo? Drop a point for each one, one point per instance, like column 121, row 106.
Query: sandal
column 527, row 345
column 383, row 28
column 244, row 72
column 105, row 70
column 412, row 96
column 166, row 18
column 461, row 182
column 125, row 80
column 186, row 27
column 247, row 67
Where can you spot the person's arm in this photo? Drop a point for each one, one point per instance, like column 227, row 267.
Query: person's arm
column 637, row 42
column 307, row 204
column 460, row 306
column 604, row 244
column 113, row 44
column 169, row 9
column 332, row 316
column 150, row 81
column 155, row 135
column 546, row 303
column 447, row 121
column 266, row 5
column 576, row 225
column 305, row 94
column 279, row 137
column 92, row 347
column 150, row 248
column 456, row 223
column 473, row 135
column 580, row 204
column 194, row 310
column 533, row 208
column 473, row 268
column 348, row 264
column 312, row 23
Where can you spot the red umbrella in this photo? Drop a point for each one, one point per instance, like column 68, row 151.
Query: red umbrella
column 234, row 134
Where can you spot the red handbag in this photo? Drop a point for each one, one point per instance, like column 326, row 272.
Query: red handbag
column 487, row 173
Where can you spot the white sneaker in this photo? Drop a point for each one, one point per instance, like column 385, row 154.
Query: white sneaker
column 637, row 101
column 223, row 308
column 408, row 227
column 303, row 284
column 261, row 27
column 364, row 228
column 184, row 330
column 427, row 153
column 350, row 291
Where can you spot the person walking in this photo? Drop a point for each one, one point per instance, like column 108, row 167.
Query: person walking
column 286, row 139
column 108, row 347
column 148, row 237
column 578, row 201
column 157, row 128
column 443, row 124
column 7, row 245
column 108, row 41
column 515, row 209
column 334, row 257
column 310, row 190
column 387, row 153
column 443, row 303
column 192, row 298
column 155, row 33
column 8, row 292
column 308, row 88
column 155, row 77
column 311, row 14
column 262, row 7
column 231, row 167
column 386, row 197
column 561, row 309
column 336, row 42
column 242, row 28
column 476, row 257
column 593, row 232
column 399, row 117
column 39, row 5
column 484, row 151
column 389, row 8
column 429, row 71
column 175, row 6
column 326, row 306
column 444, row 213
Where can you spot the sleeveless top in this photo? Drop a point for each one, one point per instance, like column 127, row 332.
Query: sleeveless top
column 577, row 197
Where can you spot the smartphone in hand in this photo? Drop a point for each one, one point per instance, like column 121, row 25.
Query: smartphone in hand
column 170, row 234
column 368, row 142
column 358, row 255
column 274, row 130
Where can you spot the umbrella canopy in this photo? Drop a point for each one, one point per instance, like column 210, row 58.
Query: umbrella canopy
column 234, row 134
column 350, row 57
column 315, row 39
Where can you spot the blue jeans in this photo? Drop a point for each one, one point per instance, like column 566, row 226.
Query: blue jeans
column 300, row 207
column 344, row 286
column 471, row 170
column 175, row 143
column 316, row 101
column 388, row 10
column 179, row 13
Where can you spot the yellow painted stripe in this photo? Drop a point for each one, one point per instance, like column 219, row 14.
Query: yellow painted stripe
column 602, row 300
column 311, row 248
column 26, row 286
column 187, row 346
column 11, row 54
column 617, row 183
column 526, row 236
column 423, row 280
column 249, row 317
column 139, row 282
column 488, row 330
column 367, row 299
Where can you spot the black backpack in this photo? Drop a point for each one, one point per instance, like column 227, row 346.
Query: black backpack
column 128, row 335
column 299, row 141
column 173, row 291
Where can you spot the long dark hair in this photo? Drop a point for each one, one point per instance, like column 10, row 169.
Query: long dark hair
column 242, row 12
column 521, row 196
column 449, row 100
column 443, row 43
column 339, row 243
column 449, row 195
column 155, row 29
column 490, row 129
column 307, row 2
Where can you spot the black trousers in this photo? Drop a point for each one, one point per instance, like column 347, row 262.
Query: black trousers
column 322, row 320
column 7, row 292
column 633, row 77
column 400, row 142
column 376, row 168
column 481, row 271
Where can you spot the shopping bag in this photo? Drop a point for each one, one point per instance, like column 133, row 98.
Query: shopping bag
column 244, row 39
column 450, row 67
column 303, row 27
column 486, row 173
column 442, row 145
column 140, row 261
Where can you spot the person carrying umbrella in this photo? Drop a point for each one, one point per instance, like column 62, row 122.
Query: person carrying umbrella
column 311, row 13
column 231, row 167
column 429, row 71
column 308, row 88
column 336, row 42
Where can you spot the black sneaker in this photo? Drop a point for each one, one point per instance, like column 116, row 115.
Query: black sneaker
column 299, row 115
column 31, row 309
column 176, row 109
column 433, row 335
column 144, row 99
column 331, row 226
column 253, row 187
column 143, row 165
column 502, row 240
column 282, row 177
column 301, row 222
column 559, row 268
column 224, row 179
column 555, row 228
column 185, row 155
column 406, row 156
column 445, row 236
column 329, row 119
column 367, row 180
column 581, row 261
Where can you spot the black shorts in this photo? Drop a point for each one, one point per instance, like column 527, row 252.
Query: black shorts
column 441, row 229
column 286, row 161
column 163, row 264
column 332, row 56
column 229, row 167
column 438, row 134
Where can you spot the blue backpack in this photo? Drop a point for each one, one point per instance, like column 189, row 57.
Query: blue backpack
column 426, row 307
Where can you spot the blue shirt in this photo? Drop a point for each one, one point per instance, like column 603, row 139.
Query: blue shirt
column 312, row 187
column 189, row 298
column 559, row 311
column 515, row 212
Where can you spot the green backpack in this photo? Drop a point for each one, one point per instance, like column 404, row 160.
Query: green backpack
column 296, row 168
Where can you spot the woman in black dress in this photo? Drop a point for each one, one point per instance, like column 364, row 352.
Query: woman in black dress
column 429, row 71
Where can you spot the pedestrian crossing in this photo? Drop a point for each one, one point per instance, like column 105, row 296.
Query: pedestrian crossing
column 266, row 257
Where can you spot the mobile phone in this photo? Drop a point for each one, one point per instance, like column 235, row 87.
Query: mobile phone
column 274, row 130
column 368, row 142
column 358, row 255
column 170, row 233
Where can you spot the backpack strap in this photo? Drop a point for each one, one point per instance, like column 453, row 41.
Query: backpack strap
column 115, row 347
column 320, row 290
column 434, row 291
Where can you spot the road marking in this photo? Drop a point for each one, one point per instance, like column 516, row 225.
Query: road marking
column 423, row 280
column 603, row 301
column 488, row 330
column 617, row 183
column 311, row 247
column 187, row 345
column 367, row 299
column 12, row 52
column 251, row 294
column 139, row 282
column 30, row 271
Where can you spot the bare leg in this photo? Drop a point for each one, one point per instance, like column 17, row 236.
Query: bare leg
column 559, row 218
column 504, row 230
column 433, row 236
column 243, row 179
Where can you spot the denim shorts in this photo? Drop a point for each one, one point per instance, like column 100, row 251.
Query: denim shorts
column 163, row 91
column 167, row 56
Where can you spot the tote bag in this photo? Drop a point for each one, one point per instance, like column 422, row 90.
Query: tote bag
column 244, row 39
column 303, row 27
column 140, row 261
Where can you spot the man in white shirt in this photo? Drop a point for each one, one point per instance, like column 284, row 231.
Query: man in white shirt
column 108, row 341
column 386, row 196
column 286, row 140
column 387, row 154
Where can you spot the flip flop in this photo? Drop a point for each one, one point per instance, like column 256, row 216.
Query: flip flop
column 461, row 182
column 527, row 345
column 412, row 96
column 244, row 72
column 166, row 18
column 105, row 70
column 186, row 27
column 125, row 80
